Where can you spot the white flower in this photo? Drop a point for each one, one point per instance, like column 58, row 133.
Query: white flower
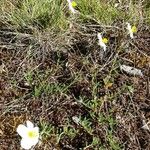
column 131, row 30
column 29, row 134
column 102, row 41
column 72, row 4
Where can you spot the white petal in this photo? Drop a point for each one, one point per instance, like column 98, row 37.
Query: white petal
column 130, row 30
column 99, row 37
column 26, row 144
column 35, row 141
column 71, row 8
column 129, row 26
column 22, row 130
column 104, row 47
column 29, row 124
column 36, row 129
column 131, row 35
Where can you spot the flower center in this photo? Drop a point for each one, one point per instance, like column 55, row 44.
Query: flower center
column 134, row 29
column 105, row 40
column 32, row 134
column 74, row 4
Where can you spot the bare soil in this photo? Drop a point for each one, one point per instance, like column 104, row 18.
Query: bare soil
column 21, row 53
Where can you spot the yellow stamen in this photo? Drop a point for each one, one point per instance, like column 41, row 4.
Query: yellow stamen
column 74, row 4
column 134, row 29
column 105, row 40
column 32, row 134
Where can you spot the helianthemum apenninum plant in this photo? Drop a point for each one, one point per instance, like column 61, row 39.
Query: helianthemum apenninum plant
column 131, row 30
column 102, row 41
column 29, row 134
column 72, row 5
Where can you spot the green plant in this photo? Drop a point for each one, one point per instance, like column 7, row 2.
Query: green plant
column 42, row 14
column 46, row 129
column 86, row 124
